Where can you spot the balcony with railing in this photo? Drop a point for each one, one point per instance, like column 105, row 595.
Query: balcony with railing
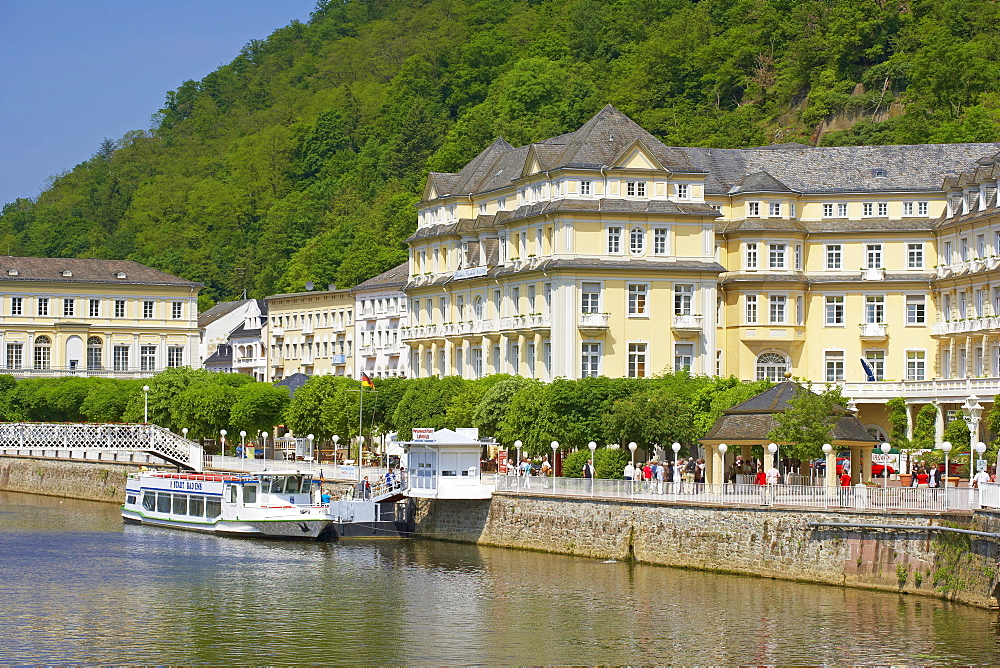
column 277, row 331
column 967, row 326
column 873, row 331
column 953, row 390
column 79, row 372
column 366, row 350
column 594, row 322
column 307, row 329
column 688, row 324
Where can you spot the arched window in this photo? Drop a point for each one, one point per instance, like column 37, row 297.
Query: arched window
column 477, row 307
column 637, row 241
column 877, row 432
column 95, row 353
column 43, row 352
column 771, row 366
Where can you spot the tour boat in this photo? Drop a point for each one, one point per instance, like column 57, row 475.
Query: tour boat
column 269, row 504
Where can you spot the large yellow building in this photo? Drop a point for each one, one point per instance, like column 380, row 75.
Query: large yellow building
column 61, row 316
column 603, row 251
column 310, row 333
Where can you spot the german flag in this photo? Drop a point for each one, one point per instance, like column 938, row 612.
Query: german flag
column 366, row 382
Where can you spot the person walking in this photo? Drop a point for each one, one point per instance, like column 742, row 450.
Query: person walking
column 546, row 471
column 588, row 474
column 628, row 474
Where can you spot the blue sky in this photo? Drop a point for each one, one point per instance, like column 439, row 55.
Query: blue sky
column 73, row 72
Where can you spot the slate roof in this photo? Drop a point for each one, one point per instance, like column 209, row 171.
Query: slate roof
column 85, row 270
column 393, row 278
column 604, row 138
column 293, row 382
column 222, row 355
column 753, row 419
column 211, row 315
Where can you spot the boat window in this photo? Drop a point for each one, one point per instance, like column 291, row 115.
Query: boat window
column 149, row 500
column 130, row 500
column 294, row 484
column 249, row 494
column 232, row 494
column 196, row 506
column 180, row 504
column 277, row 485
column 213, row 508
column 162, row 502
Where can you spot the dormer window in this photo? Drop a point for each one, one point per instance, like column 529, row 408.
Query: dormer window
column 67, row 273
column 682, row 191
column 12, row 272
column 121, row 274
column 878, row 172
column 635, row 188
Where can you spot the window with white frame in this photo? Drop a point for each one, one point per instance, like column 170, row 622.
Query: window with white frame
column 774, row 208
column 834, row 256
column 17, row 305
column 637, row 360
column 43, row 352
column 915, row 256
column 875, row 309
column 772, row 367
column 635, row 188
column 907, row 208
column 922, row 208
column 177, row 310
column 834, row 362
column 916, row 313
column 69, row 307
column 750, row 255
column 915, row 365
column 882, row 209
column 529, row 357
column 963, row 249
column 753, row 209
column 798, row 256
column 590, row 298
column 834, row 309
column 682, row 191
column 980, row 302
column 43, row 306
column 590, row 360
column 946, row 254
column 637, row 293
column 873, row 256
column 614, row 240
column 842, row 210
column 828, row 210
column 876, row 360
column 776, row 256
column 778, row 304
column 683, row 356
column 683, row 299
column 660, row 241
column 147, row 358
column 584, row 187
column 15, row 355
column 147, row 309
column 95, row 308
column 637, row 241
column 751, row 309
column 175, row 356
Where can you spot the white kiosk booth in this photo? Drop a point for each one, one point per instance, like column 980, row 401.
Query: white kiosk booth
column 444, row 464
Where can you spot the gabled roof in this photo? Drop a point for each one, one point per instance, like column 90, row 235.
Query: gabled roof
column 211, row 315
column 395, row 277
column 759, row 182
column 293, row 382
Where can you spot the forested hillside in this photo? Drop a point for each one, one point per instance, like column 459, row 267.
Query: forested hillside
column 302, row 158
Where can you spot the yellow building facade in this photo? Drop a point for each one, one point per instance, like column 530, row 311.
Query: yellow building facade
column 310, row 333
column 85, row 317
column 605, row 252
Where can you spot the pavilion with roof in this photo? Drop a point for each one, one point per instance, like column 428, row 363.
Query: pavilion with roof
column 749, row 423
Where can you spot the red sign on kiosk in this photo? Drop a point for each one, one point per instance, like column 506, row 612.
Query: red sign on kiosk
column 502, row 462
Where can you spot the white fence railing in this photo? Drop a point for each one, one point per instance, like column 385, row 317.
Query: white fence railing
column 860, row 497
column 83, row 440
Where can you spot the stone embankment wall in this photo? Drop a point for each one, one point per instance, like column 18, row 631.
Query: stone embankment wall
column 762, row 541
column 69, row 479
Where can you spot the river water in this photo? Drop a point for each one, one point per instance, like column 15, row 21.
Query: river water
column 76, row 586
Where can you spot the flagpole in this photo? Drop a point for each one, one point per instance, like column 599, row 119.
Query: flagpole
column 361, row 409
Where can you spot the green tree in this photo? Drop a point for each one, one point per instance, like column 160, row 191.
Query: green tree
column 808, row 421
column 258, row 407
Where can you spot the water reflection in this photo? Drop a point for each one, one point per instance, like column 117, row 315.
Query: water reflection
column 77, row 586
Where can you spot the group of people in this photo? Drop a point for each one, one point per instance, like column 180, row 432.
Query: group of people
column 654, row 473
column 526, row 469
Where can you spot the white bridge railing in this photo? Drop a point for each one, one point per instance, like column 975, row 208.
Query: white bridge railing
column 71, row 440
column 858, row 497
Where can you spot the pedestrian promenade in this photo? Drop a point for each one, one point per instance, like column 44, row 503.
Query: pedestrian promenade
column 858, row 497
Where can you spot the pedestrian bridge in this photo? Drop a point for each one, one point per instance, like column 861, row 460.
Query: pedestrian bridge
column 136, row 443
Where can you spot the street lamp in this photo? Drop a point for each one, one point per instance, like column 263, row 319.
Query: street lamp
column 336, row 444
column 632, row 448
column 831, row 464
column 723, row 449
column 980, row 448
column 593, row 469
column 222, row 433
column 974, row 410
column 263, row 445
column 311, row 437
column 517, row 466
column 145, row 404
column 184, row 432
column 773, row 449
column 885, row 448
column 555, row 448
column 243, row 442
column 946, row 447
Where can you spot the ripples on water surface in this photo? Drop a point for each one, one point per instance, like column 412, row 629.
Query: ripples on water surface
column 78, row 587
